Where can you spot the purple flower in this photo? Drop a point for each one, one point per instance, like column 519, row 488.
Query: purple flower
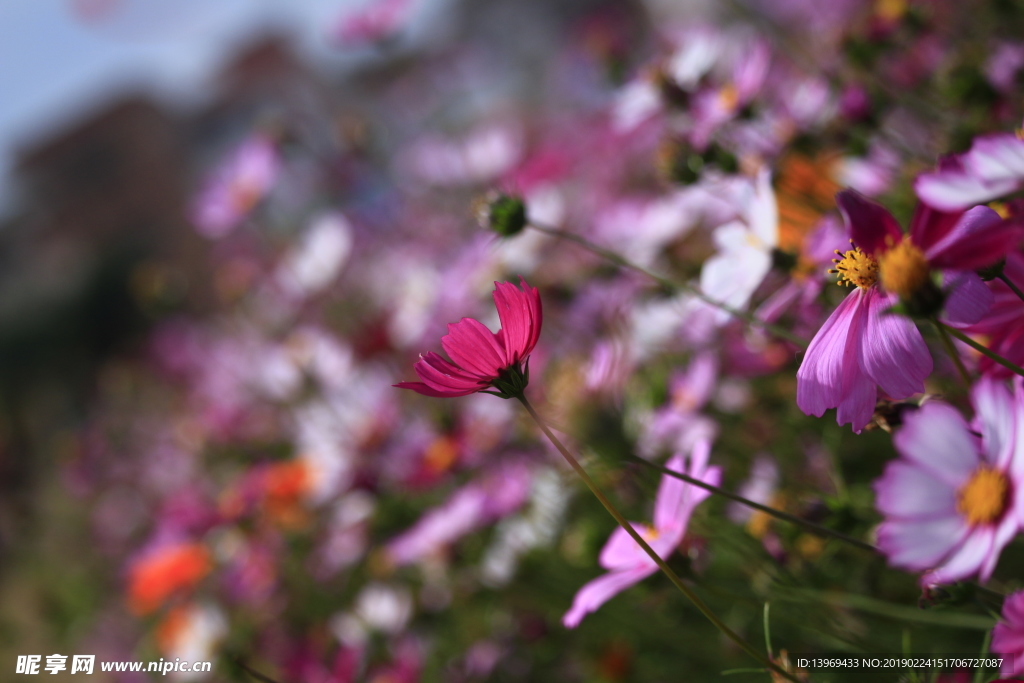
column 625, row 560
column 952, row 501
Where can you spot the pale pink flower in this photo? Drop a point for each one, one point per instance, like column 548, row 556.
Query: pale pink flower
column 993, row 167
column 625, row 560
column 237, row 186
column 475, row 505
column 483, row 359
column 953, row 500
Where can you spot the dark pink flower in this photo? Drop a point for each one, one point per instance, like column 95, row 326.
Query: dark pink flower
column 1008, row 635
column 952, row 501
column 483, row 359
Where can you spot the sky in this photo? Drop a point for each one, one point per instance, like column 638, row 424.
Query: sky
column 60, row 59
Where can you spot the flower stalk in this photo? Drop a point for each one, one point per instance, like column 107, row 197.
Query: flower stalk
column 669, row 284
column 662, row 565
column 983, row 350
column 947, row 343
column 778, row 514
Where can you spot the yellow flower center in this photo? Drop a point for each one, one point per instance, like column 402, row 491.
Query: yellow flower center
column 904, row 270
column 649, row 533
column 729, row 97
column 855, row 268
column 984, row 498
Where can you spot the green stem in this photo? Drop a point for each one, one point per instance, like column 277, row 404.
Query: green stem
column 1009, row 283
column 951, row 350
column 671, row 285
column 252, row 672
column 673, row 577
column 995, row 357
column 779, row 514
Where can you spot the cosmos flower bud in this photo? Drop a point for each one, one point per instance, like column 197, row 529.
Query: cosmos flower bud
column 504, row 214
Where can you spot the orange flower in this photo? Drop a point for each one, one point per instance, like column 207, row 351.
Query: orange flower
column 155, row 577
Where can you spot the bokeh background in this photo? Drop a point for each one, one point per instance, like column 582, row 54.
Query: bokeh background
column 201, row 455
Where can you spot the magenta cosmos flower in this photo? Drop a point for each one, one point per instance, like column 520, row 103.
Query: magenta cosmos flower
column 483, row 359
column 859, row 348
column 954, row 499
column 625, row 560
column 1008, row 635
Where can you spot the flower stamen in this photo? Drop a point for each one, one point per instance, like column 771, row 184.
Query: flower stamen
column 904, row 270
column 985, row 497
column 855, row 268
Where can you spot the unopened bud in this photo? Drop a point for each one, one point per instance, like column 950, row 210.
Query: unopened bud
column 502, row 213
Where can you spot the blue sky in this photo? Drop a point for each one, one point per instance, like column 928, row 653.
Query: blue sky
column 56, row 66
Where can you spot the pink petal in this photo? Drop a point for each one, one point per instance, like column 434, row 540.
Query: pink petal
column 421, row 388
column 969, row 299
column 669, row 499
column 1004, row 532
column 936, row 439
column 830, row 375
column 928, row 226
column 474, row 347
column 519, row 314
column 442, row 376
column 979, row 239
column 893, row 354
column 920, row 544
column 868, row 222
column 621, row 552
column 957, row 189
column 597, row 592
column 996, row 158
column 994, row 418
column 966, row 560
column 910, row 492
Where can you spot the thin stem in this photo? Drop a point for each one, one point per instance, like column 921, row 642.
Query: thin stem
column 673, row 577
column 951, row 350
column 779, row 514
column 669, row 284
column 252, row 672
column 1009, row 283
column 995, row 357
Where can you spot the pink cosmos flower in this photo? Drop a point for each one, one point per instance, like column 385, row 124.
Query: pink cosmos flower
column 993, row 167
column 483, row 359
column 236, row 187
column 952, row 501
column 475, row 505
column 626, row 562
column 1008, row 635
column 860, row 346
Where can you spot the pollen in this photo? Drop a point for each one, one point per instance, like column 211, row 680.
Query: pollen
column 855, row 268
column 985, row 497
column 904, row 270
